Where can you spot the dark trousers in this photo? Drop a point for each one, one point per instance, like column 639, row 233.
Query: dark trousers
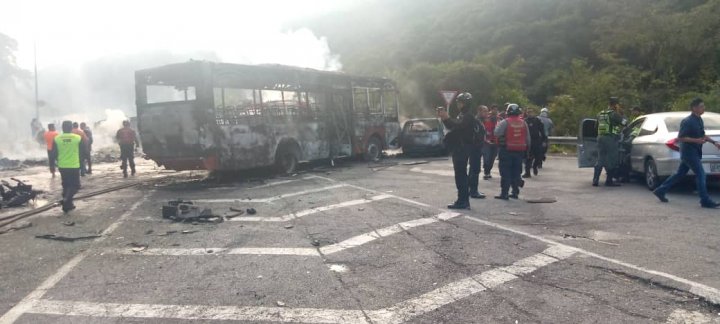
column 510, row 171
column 127, row 156
column 51, row 162
column 70, row 184
column 460, row 157
column 475, row 156
column 690, row 162
column 489, row 154
column 534, row 158
column 87, row 158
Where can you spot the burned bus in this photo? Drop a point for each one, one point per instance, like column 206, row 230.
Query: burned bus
column 225, row 117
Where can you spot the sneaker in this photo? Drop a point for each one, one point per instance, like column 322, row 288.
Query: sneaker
column 660, row 196
column 459, row 205
column 711, row 204
column 502, row 197
column 132, row 172
column 535, row 171
column 477, row 195
column 526, row 175
column 514, row 196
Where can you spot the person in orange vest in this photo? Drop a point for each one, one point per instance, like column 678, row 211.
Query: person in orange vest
column 514, row 140
column 76, row 130
column 49, row 140
column 128, row 141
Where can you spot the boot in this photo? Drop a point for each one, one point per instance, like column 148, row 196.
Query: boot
column 596, row 176
column 609, row 182
column 527, row 173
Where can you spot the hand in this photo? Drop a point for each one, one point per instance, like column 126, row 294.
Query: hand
column 717, row 144
column 443, row 114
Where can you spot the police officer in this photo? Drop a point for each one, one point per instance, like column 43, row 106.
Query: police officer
column 68, row 148
column 514, row 140
column 609, row 125
column 460, row 141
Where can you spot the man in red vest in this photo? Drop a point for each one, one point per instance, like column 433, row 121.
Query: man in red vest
column 489, row 118
column 513, row 139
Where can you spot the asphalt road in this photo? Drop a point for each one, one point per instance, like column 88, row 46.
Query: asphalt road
column 362, row 243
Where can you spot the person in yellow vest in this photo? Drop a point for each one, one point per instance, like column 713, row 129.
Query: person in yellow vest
column 67, row 149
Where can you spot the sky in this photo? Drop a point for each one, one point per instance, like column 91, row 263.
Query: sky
column 87, row 50
column 74, row 31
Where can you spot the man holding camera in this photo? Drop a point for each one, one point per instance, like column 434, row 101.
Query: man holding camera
column 460, row 141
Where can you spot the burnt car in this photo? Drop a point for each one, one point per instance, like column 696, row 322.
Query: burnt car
column 423, row 136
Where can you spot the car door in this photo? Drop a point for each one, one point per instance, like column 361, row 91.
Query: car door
column 587, row 147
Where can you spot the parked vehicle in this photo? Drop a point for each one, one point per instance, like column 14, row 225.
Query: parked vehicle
column 652, row 146
column 423, row 136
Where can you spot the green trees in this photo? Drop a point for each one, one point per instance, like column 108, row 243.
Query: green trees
column 568, row 55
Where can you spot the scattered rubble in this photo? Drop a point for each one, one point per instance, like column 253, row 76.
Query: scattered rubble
column 66, row 238
column 185, row 211
column 17, row 195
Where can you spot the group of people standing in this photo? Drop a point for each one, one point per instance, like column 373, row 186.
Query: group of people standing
column 70, row 151
column 482, row 135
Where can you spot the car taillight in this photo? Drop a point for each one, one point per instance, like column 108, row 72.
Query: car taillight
column 672, row 144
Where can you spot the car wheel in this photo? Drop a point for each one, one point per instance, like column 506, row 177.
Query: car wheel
column 651, row 176
column 373, row 150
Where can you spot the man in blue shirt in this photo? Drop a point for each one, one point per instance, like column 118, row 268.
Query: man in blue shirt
column 691, row 137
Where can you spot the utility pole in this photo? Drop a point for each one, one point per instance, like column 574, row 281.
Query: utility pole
column 37, row 102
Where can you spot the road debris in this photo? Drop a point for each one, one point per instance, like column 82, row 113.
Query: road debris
column 66, row 238
column 251, row 211
column 180, row 210
column 235, row 209
column 189, row 231
column 289, row 226
column 416, row 162
column 17, row 195
column 138, row 247
column 280, row 303
column 541, row 200
column 69, row 223
column 573, row 236
column 167, row 233
column 16, row 227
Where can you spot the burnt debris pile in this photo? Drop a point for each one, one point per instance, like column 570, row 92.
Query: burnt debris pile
column 16, row 195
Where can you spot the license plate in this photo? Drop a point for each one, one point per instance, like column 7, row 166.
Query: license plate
column 714, row 167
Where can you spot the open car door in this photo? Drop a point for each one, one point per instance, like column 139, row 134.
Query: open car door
column 587, row 146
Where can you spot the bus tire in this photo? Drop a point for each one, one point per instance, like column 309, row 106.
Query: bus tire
column 287, row 159
column 373, row 149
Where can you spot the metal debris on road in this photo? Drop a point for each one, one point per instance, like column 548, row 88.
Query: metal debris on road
column 16, row 227
column 239, row 210
column 416, row 162
column 138, row 247
column 17, row 195
column 189, row 231
column 185, row 211
column 315, row 243
column 251, row 211
column 541, row 200
column 66, row 238
column 289, row 226
column 280, row 303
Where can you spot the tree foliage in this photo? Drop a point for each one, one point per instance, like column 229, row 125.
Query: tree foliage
column 569, row 55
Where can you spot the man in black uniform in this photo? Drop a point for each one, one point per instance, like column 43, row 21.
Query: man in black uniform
column 460, row 141
column 538, row 138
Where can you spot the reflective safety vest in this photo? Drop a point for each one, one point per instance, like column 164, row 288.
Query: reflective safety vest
column 68, row 150
column 605, row 127
column 516, row 134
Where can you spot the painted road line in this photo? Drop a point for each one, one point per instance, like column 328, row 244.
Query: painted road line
column 440, row 172
column 384, row 232
column 329, row 249
column 271, row 199
column 219, row 251
column 29, row 301
column 709, row 293
column 397, row 313
column 282, row 182
column 463, row 288
column 310, row 211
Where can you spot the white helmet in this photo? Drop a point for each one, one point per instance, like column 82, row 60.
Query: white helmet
column 544, row 110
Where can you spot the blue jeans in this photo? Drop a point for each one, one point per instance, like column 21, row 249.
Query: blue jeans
column 510, row 171
column 474, row 175
column 489, row 152
column 690, row 162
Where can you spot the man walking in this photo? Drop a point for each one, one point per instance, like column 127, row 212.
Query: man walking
column 49, row 141
column 538, row 138
column 549, row 125
column 609, row 123
column 76, row 130
column 691, row 137
column 459, row 140
column 128, row 142
column 88, row 152
column 67, row 149
column 513, row 138
column 490, row 147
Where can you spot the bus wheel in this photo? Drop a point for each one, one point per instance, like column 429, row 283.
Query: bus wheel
column 286, row 161
column 373, row 150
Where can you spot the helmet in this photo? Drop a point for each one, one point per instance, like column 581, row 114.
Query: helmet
column 464, row 97
column 544, row 110
column 513, row 110
column 614, row 101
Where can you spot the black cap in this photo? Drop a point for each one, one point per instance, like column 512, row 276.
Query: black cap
column 614, row 101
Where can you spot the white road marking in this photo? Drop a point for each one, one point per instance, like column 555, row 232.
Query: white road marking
column 397, row 313
column 681, row 316
column 270, row 199
column 310, row 211
column 383, row 232
column 31, row 299
column 329, row 249
column 440, row 172
column 282, row 182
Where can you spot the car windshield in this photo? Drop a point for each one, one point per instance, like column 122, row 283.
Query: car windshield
column 424, row 126
column 711, row 123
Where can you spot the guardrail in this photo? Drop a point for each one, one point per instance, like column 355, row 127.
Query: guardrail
column 563, row 140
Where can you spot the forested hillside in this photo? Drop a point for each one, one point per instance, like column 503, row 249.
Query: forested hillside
column 569, row 55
